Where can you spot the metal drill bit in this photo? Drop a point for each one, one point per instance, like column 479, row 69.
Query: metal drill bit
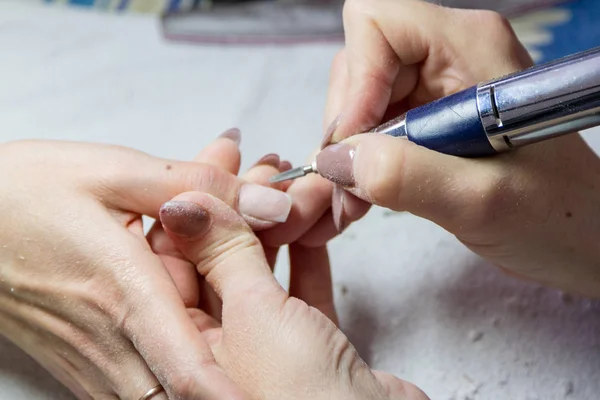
column 295, row 173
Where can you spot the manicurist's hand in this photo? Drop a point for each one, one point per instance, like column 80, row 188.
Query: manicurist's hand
column 533, row 212
column 85, row 293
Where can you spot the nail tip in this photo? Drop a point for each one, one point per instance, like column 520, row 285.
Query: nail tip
column 285, row 166
column 337, row 208
column 285, row 215
column 285, row 210
column 264, row 203
column 335, row 163
column 339, row 227
column 233, row 134
column 330, row 132
column 326, row 140
column 271, row 159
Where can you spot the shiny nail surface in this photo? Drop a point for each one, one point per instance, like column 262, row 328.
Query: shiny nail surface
column 264, row 203
column 337, row 208
column 233, row 134
column 270, row 159
column 335, row 164
column 285, row 166
column 185, row 219
column 330, row 131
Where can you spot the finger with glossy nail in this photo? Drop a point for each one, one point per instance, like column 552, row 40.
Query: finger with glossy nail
column 330, row 131
column 218, row 241
column 260, row 174
column 223, row 152
column 312, row 199
column 349, row 209
column 402, row 176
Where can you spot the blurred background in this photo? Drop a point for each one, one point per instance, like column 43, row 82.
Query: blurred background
column 549, row 28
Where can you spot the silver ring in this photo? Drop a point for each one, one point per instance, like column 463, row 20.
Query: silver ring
column 152, row 392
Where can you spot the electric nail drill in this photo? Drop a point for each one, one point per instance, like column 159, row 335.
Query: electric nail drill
column 536, row 104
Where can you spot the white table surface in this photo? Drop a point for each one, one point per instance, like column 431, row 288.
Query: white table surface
column 413, row 300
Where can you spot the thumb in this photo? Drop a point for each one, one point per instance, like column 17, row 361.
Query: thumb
column 400, row 175
column 223, row 248
column 228, row 254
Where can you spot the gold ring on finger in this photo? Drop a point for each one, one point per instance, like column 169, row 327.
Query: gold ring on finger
column 153, row 392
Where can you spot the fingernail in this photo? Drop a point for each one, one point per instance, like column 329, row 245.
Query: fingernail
column 330, row 131
column 269, row 159
column 264, row 203
column 232, row 134
column 337, row 208
column 335, row 163
column 185, row 219
column 285, row 166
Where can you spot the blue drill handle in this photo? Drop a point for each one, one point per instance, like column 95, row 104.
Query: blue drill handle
column 536, row 104
column 450, row 125
column 529, row 106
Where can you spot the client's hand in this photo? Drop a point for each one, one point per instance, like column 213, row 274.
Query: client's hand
column 274, row 345
column 309, row 225
column 81, row 290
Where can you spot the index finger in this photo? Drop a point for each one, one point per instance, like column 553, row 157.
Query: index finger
column 373, row 64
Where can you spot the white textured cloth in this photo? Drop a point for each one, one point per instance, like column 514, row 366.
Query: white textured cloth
column 412, row 299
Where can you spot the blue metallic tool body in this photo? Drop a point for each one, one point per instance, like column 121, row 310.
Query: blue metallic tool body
column 536, row 104
column 449, row 125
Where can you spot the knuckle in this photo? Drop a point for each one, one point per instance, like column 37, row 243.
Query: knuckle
column 294, row 310
column 203, row 177
column 371, row 117
column 355, row 9
column 344, row 356
column 199, row 176
column 110, row 181
column 184, row 385
column 494, row 25
column 237, row 244
column 496, row 39
column 497, row 22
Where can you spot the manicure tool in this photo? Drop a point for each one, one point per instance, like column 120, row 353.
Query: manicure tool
column 530, row 106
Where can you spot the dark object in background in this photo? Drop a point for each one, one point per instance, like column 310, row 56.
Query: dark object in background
column 506, row 7
column 289, row 21
column 258, row 22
